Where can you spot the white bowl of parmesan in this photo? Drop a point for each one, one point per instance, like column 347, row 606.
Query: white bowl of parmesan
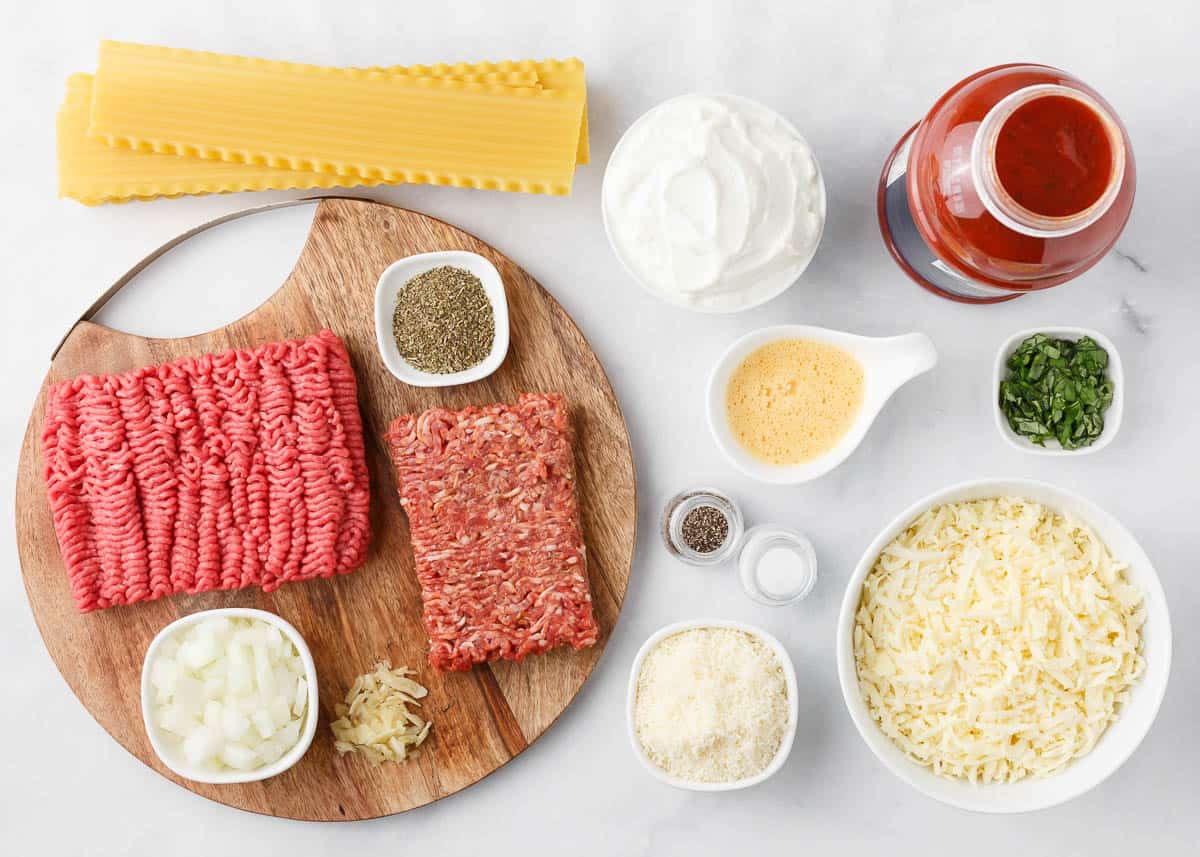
column 712, row 705
column 1004, row 645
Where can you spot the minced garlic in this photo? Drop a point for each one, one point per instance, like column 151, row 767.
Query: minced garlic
column 375, row 719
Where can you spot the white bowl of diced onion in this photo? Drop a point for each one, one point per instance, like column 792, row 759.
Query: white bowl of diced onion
column 1118, row 741
column 246, row 721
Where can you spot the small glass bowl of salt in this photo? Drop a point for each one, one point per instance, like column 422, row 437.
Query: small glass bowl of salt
column 776, row 566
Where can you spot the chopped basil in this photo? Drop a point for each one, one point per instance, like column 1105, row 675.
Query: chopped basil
column 1057, row 389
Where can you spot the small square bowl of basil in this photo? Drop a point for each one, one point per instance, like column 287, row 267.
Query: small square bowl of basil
column 1050, row 394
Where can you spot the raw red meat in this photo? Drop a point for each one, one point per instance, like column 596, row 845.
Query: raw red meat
column 490, row 498
column 222, row 471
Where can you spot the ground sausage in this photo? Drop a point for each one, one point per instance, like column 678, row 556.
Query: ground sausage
column 491, row 502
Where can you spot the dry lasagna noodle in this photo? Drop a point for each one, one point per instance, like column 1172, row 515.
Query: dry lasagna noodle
column 93, row 172
column 564, row 75
column 356, row 124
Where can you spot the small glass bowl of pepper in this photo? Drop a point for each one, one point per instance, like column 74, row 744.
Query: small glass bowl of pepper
column 702, row 526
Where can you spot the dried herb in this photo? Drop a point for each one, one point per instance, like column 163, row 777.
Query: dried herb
column 704, row 529
column 443, row 321
column 1057, row 388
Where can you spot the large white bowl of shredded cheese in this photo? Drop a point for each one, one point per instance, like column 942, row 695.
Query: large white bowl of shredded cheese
column 968, row 687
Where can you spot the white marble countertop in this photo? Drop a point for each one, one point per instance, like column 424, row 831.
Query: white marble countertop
column 852, row 76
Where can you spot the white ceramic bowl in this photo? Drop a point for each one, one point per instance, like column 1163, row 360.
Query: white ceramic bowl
column 1121, row 738
column 399, row 273
column 179, row 764
column 789, row 734
column 1112, row 417
column 888, row 363
column 675, row 300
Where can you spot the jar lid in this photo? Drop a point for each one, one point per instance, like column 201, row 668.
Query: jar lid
column 776, row 565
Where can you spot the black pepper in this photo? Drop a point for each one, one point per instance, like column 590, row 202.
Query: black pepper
column 704, row 529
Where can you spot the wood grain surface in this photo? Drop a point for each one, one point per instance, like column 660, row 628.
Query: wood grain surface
column 482, row 718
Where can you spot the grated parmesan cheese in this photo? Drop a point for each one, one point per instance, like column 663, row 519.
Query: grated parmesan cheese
column 997, row 639
column 711, row 705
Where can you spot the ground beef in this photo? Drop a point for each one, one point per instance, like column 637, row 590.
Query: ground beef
column 490, row 498
column 222, row 471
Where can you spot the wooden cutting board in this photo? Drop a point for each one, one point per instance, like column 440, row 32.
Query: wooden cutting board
column 482, row 719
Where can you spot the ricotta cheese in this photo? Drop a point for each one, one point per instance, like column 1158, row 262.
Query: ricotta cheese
column 714, row 202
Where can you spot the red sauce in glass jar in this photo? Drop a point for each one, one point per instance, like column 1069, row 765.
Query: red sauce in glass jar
column 1053, row 156
column 1019, row 178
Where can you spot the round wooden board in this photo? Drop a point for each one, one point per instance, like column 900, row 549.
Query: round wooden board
column 482, row 718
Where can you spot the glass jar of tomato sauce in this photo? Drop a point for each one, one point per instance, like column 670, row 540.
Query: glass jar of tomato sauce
column 1021, row 177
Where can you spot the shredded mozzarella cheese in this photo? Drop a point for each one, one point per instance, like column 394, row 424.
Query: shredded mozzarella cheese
column 997, row 639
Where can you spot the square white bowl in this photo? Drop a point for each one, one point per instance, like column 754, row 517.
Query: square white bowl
column 180, row 765
column 399, row 273
column 789, row 735
column 1112, row 417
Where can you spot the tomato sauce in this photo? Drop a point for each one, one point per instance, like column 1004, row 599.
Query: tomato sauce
column 1053, row 156
column 1019, row 178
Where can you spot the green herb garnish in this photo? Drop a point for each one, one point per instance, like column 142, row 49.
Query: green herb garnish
column 1057, row 389
column 443, row 321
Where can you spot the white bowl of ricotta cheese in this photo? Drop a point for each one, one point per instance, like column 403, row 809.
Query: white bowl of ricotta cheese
column 713, row 202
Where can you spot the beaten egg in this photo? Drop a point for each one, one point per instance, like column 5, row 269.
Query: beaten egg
column 792, row 400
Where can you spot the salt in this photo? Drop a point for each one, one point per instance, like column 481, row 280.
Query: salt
column 780, row 572
column 776, row 565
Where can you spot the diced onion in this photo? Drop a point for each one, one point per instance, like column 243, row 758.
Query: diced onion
column 229, row 694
